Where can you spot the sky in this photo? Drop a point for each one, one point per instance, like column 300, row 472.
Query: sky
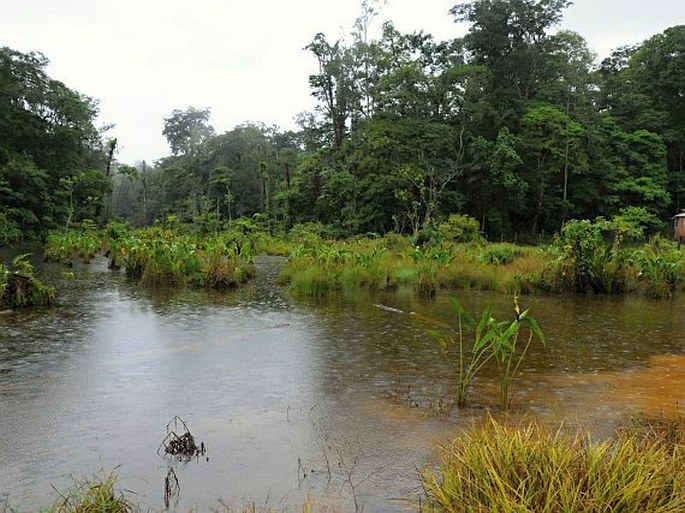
column 244, row 59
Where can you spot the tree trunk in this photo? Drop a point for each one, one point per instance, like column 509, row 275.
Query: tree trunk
column 106, row 212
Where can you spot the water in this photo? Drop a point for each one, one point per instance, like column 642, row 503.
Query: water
column 337, row 399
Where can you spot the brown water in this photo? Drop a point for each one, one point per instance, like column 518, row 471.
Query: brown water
column 282, row 391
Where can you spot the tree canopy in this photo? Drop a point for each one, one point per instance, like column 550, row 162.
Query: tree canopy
column 514, row 124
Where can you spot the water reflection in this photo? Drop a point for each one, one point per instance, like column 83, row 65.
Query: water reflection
column 338, row 399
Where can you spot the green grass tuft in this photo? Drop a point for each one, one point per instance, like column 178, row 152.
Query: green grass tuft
column 532, row 469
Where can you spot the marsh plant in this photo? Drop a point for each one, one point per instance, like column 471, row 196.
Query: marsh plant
column 20, row 288
column 505, row 342
column 63, row 246
column 161, row 257
column 93, row 495
column 509, row 469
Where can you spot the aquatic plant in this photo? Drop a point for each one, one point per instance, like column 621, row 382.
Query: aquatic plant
column 492, row 340
column 601, row 256
column 161, row 257
column 506, row 349
column 660, row 265
column 63, row 246
column 501, row 468
column 469, row 363
column 19, row 287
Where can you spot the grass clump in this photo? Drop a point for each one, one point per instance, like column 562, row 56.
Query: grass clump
column 64, row 246
column 93, row 496
column 532, row 469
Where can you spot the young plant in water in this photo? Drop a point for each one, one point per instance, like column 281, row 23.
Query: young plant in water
column 506, row 349
column 492, row 339
column 469, row 362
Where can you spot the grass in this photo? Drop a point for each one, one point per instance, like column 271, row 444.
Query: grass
column 500, row 468
column 583, row 258
column 390, row 262
column 320, row 268
column 162, row 257
column 96, row 495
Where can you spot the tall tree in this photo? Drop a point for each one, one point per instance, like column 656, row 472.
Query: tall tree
column 48, row 134
column 511, row 39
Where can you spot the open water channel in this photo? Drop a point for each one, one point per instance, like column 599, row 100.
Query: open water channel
column 338, row 399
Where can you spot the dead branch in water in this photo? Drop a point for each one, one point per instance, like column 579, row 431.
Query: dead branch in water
column 181, row 446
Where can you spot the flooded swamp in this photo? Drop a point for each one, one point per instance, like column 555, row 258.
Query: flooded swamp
column 340, row 399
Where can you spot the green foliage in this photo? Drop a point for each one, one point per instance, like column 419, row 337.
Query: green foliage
column 506, row 349
column 48, row 136
column 510, row 124
column 469, row 362
column 585, row 255
column 660, row 265
column 63, row 246
column 498, row 254
column 492, row 340
column 507, row 469
column 161, row 257
column 93, row 495
column 460, row 228
column 19, row 288
column 601, row 257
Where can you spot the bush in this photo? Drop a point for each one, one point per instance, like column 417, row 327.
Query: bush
column 460, row 228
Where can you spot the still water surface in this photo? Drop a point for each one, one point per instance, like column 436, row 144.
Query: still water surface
column 336, row 399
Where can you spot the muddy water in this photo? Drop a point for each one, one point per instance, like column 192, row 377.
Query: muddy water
column 338, row 399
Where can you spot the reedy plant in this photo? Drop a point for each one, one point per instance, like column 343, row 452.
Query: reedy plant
column 91, row 496
column 20, row 288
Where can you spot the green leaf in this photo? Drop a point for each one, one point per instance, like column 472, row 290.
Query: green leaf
column 462, row 314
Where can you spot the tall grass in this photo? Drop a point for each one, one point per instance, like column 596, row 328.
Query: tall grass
column 585, row 258
column 322, row 268
column 532, row 469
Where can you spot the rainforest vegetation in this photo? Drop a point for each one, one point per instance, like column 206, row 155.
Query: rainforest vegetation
column 515, row 124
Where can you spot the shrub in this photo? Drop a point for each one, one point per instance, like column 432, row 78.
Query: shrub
column 460, row 228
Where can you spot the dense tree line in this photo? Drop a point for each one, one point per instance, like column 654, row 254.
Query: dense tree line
column 514, row 124
column 53, row 161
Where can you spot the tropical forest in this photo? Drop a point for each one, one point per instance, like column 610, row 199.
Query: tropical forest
column 456, row 285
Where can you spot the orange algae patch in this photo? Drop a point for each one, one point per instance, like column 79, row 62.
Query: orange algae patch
column 658, row 387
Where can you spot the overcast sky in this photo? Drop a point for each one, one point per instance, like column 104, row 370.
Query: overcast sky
column 242, row 58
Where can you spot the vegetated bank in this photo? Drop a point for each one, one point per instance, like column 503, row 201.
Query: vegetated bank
column 161, row 256
column 601, row 256
column 604, row 256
